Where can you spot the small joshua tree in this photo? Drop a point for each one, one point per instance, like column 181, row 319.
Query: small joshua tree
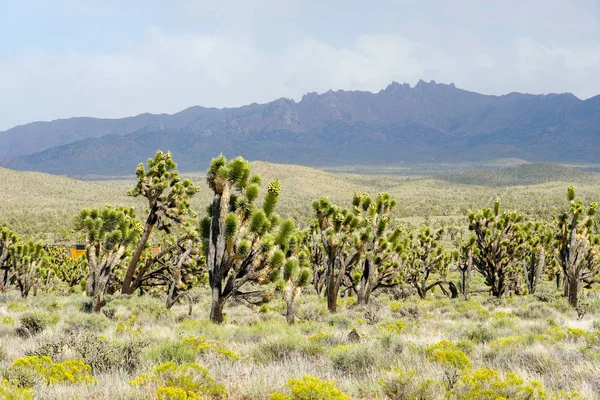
column 239, row 238
column 7, row 239
column 27, row 258
column 379, row 265
column 109, row 235
column 498, row 248
column 296, row 275
column 425, row 256
column 168, row 203
column 537, row 242
column 577, row 248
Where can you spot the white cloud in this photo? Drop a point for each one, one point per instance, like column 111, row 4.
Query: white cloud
column 167, row 73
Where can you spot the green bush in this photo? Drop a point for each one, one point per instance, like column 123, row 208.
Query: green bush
column 172, row 351
column 354, row 359
column 277, row 349
column 33, row 323
column 340, row 321
column 96, row 323
column 404, row 385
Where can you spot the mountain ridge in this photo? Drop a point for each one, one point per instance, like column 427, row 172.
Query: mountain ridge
column 429, row 122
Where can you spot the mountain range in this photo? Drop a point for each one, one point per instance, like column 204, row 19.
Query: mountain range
column 427, row 123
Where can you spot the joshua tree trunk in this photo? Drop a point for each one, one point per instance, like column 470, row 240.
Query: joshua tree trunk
column 135, row 257
column 573, row 291
column 216, row 308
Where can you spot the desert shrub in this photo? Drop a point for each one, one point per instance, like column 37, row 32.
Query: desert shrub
column 33, row 323
column 11, row 392
column 481, row 334
column 96, row 323
column 128, row 327
column 69, row 371
column 277, row 349
column 509, row 342
column 354, row 359
column 320, row 343
column 203, row 345
column 403, row 385
column 313, row 311
column 310, row 388
column 405, row 310
column 3, row 355
column 192, row 380
column 51, row 346
column 473, row 310
column 486, row 384
column 454, row 360
column 172, row 351
column 104, row 355
column 20, row 376
column 448, row 354
column 325, row 339
column 7, row 320
column 394, row 327
column 534, row 311
column 373, row 313
column 340, row 321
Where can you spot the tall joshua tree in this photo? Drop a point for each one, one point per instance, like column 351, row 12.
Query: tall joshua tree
column 27, row 258
column 109, row 235
column 168, row 203
column 7, row 239
column 498, row 248
column 577, row 248
column 338, row 230
column 379, row 265
column 239, row 237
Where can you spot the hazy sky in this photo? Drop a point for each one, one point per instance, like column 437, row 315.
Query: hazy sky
column 115, row 58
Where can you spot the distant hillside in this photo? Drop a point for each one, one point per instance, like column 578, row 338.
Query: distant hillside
column 423, row 124
column 527, row 174
column 42, row 205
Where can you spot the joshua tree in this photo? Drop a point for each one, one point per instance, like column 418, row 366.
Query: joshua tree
column 380, row 264
column 239, row 238
column 296, row 275
column 168, row 203
column 338, row 230
column 27, row 258
column 109, row 235
column 66, row 269
column 577, row 248
column 7, row 239
column 538, row 240
column 426, row 256
column 465, row 265
column 498, row 247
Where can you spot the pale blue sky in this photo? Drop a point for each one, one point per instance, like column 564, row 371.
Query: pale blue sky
column 63, row 58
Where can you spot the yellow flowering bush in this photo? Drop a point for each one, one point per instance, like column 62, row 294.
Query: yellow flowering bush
column 486, row 384
column 69, row 371
column 203, row 345
column 310, row 388
column 11, row 392
column 395, row 327
column 187, row 381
